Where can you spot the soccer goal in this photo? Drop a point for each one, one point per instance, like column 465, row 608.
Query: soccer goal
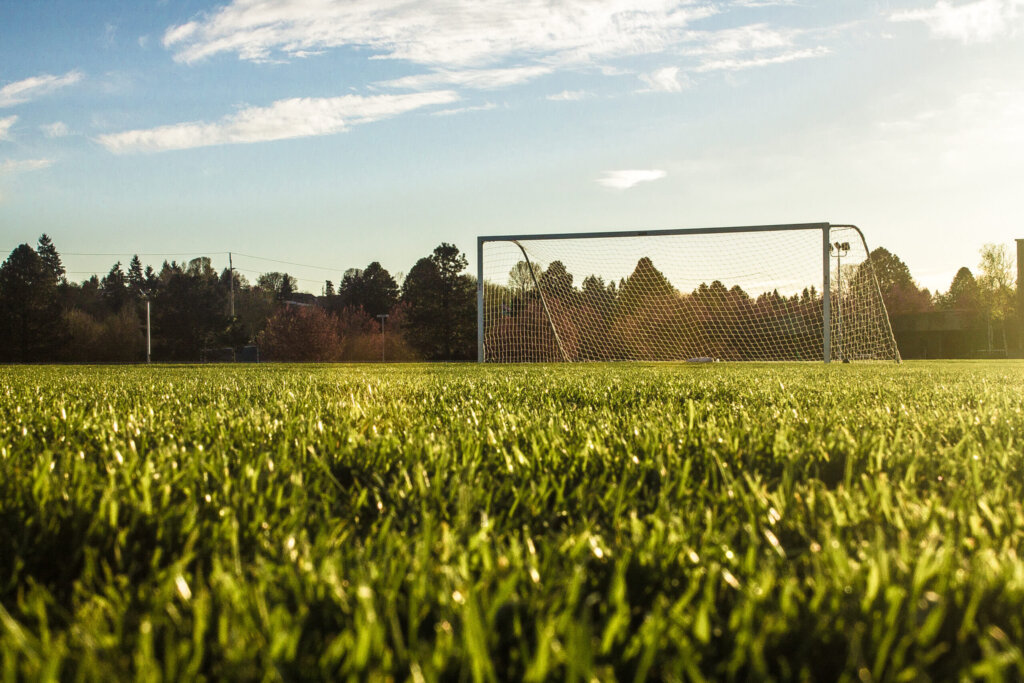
column 756, row 293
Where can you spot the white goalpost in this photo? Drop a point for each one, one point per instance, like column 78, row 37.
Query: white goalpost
column 804, row 291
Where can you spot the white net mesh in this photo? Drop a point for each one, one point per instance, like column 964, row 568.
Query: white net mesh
column 726, row 296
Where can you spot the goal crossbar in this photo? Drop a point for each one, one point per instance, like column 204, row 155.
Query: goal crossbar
column 651, row 233
column 555, row 314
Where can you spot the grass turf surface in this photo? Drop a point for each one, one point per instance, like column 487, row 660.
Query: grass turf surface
column 474, row 523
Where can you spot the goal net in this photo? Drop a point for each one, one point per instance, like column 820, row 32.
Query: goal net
column 763, row 293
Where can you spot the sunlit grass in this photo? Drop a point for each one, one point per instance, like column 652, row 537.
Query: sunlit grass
column 424, row 522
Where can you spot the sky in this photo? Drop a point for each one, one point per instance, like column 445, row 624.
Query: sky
column 333, row 133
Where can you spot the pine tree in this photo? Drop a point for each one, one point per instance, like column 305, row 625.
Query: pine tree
column 136, row 277
column 29, row 307
column 115, row 288
column 51, row 258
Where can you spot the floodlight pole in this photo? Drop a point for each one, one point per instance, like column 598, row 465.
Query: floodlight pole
column 149, row 338
column 383, row 317
column 231, row 284
column 841, row 249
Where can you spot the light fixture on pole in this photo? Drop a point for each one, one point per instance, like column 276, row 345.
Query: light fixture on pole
column 839, row 250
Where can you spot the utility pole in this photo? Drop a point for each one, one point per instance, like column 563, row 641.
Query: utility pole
column 149, row 338
column 383, row 317
column 231, row 284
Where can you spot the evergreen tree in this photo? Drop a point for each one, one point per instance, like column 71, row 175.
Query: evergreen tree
column 646, row 286
column 372, row 289
column 963, row 294
column 114, row 288
column 557, row 280
column 51, row 258
column 136, row 278
column 899, row 292
column 29, row 307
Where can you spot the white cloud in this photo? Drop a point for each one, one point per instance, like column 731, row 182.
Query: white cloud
column 5, row 126
column 462, row 110
column 973, row 22
column 13, row 166
column 57, row 129
column 455, row 33
column 623, row 180
column 23, row 91
column 284, row 119
column 664, row 80
column 748, row 38
column 569, row 96
column 733, row 64
column 479, row 79
column 763, row 3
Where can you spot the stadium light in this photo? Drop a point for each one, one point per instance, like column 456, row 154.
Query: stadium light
column 839, row 250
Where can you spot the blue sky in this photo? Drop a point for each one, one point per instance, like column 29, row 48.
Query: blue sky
column 337, row 133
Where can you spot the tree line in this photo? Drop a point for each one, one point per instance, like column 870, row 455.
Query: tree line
column 644, row 316
column 431, row 315
column 989, row 300
column 542, row 315
column 194, row 309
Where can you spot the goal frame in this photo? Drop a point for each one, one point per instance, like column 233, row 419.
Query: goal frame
column 826, row 266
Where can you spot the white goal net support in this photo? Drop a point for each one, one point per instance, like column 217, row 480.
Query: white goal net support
column 756, row 293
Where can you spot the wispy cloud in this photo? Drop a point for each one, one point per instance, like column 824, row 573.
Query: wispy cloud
column 752, row 37
column 664, row 80
column 29, row 89
column 13, row 166
column 5, row 126
column 57, row 129
column 478, row 79
column 763, row 3
column 738, row 64
column 441, row 34
column 462, row 110
column 569, row 96
column 972, row 22
column 623, row 180
column 284, row 119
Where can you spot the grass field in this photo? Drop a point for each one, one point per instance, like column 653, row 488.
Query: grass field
column 621, row 522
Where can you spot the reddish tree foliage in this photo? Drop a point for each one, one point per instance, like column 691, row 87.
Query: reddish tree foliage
column 305, row 333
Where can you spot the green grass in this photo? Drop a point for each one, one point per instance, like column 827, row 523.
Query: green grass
column 621, row 522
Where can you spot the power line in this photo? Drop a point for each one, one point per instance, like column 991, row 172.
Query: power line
column 289, row 263
column 132, row 253
column 205, row 253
